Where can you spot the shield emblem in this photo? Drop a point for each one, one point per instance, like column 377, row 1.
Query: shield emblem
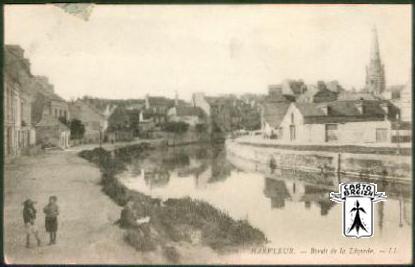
column 357, row 200
column 358, row 217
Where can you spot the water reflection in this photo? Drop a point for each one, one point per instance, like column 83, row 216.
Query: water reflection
column 265, row 196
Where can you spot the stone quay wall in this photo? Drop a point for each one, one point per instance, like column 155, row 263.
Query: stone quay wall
column 394, row 167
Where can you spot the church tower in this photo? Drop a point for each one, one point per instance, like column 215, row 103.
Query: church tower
column 375, row 71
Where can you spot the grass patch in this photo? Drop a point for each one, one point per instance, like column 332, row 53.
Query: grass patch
column 173, row 220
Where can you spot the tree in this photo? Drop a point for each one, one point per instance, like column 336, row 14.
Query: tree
column 201, row 127
column 64, row 121
column 77, row 129
column 178, row 127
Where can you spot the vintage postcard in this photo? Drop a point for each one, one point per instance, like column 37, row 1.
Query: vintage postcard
column 207, row 134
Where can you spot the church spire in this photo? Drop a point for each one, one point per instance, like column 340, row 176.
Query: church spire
column 375, row 73
column 375, row 55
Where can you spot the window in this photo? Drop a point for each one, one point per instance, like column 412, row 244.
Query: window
column 331, row 133
column 292, row 132
column 381, row 135
column 292, row 118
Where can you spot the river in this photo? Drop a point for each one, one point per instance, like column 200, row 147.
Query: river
column 292, row 209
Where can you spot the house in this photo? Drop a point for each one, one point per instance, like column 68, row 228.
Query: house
column 146, row 123
column 44, row 99
column 123, row 125
column 157, row 107
column 188, row 114
column 293, row 87
column 12, row 118
column 273, row 111
column 354, row 96
column 334, row 86
column 406, row 102
column 342, row 122
column 51, row 132
column 199, row 100
column 271, row 117
column 94, row 121
column 220, row 112
column 393, row 92
column 19, row 133
column 317, row 94
column 276, row 94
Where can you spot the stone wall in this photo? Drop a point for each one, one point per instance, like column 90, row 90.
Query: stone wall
column 371, row 165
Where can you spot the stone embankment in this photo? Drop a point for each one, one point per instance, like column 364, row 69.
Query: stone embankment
column 374, row 163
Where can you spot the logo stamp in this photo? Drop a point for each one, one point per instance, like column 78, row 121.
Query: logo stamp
column 357, row 199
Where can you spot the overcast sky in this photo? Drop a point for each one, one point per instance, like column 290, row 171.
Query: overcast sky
column 127, row 51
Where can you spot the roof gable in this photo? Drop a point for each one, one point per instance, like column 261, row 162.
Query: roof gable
column 273, row 113
column 50, row 121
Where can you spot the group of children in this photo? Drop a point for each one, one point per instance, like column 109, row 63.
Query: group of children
column 51, row 211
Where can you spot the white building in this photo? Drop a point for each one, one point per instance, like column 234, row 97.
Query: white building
column 342, row 122
column 188, row 114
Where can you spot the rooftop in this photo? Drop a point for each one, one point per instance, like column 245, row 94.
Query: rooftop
column 346, row 111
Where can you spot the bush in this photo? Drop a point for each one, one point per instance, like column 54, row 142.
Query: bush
column 174, row 220
column 140, row 242
column 171, row 254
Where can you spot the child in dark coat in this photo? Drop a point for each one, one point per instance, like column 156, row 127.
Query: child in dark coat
column 51, row 218
column 29, row 218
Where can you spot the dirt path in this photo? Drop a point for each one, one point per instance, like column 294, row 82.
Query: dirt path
column 86, row 233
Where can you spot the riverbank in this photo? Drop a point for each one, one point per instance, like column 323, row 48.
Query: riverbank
column 87, row 231
column 85, row 235
column 173, row 222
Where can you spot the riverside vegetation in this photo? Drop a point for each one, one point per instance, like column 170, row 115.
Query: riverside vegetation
column 174, row 220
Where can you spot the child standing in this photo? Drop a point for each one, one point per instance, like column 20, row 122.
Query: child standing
column 51, row 218
column 29, row 217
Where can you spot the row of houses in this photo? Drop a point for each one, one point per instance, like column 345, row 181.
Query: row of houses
column 128, row 119
column 320, row 115
column 35, row 116
column 33, row 113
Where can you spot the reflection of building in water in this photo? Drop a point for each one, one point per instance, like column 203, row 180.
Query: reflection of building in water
column 172, row 161
column 202, row 178
column 296, row 189
column 221, row 168
column 325, row 206
column 380, row 214
column 407, row 208
column 277, row 191
column 156, row 177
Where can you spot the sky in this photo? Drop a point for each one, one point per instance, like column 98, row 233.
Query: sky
column 128, row 51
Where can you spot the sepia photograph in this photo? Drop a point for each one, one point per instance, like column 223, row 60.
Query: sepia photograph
column 207, row 134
